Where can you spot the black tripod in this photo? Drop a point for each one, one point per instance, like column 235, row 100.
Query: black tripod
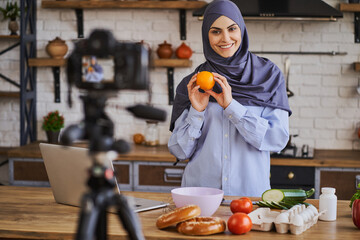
column 93, row 222
column 98, row 129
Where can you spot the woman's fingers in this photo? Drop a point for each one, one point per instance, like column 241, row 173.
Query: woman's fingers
column 221, row 80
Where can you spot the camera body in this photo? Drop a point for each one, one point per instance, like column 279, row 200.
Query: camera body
column 102, row 63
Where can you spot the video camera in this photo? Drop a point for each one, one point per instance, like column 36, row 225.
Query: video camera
column 122, row 65
column 101, row 66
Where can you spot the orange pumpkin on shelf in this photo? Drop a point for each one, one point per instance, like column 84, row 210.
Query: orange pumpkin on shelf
column 183, row 51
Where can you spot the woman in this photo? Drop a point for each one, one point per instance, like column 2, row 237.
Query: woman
column 94, row 73
column 227, row 133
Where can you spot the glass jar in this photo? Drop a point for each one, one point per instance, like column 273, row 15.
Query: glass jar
column 152, row 133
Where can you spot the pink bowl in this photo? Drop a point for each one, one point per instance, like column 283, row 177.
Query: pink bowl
column 208, row 199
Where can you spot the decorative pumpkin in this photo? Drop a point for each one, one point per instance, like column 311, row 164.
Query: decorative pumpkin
column 183, row 51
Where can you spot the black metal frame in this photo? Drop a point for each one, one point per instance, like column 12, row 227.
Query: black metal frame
column 28, row 129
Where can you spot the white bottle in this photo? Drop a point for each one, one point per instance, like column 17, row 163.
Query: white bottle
column 328, row 202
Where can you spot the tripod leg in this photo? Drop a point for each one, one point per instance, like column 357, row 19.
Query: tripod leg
column 128, row 218
column 89, row 218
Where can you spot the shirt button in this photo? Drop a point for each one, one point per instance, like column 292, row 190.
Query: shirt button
column 225, row 156
column 199, row 118
column 192, row 139
column 226, row 135
column 230, row 116
column 225, row 178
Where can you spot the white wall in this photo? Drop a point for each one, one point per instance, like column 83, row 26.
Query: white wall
column 325, row 106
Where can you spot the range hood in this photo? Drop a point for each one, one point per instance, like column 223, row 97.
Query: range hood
column 301, row 10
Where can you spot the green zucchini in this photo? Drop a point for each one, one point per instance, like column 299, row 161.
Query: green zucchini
column 287, row 195
column 279, row 205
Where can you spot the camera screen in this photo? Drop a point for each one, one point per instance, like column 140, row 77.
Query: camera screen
column 97, row 70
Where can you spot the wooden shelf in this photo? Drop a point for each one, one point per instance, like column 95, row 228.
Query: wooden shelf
column 355, row 8
column 171, row 63
column 47, row 62
column 350, row 7
column 357, row 66
column 78, row 6
column 9, row 37
column 4, row 94
column 124, row 4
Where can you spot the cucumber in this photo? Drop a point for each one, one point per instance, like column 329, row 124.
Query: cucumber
column 264, row 204
column 279, row 205
column 287, row 195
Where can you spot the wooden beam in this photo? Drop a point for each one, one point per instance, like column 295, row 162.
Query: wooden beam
column 9, row 37
column 124, row 4
column 47, row 62
column 357, row 66
column 9, row 94
column 171, row 63
column 350, row 7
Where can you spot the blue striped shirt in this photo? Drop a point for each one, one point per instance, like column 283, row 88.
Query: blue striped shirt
column 229, row 149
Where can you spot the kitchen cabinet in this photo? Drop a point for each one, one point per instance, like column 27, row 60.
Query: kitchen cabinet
column 151, row 169
column 157, row 176
column 342, row 179
column 292, row 177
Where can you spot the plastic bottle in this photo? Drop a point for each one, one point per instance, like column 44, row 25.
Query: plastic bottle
column 328, row 202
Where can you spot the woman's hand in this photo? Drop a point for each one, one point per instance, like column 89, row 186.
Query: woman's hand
column 199, row 100
column 225, row 97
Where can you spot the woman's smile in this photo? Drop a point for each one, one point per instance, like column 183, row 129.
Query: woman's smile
column 226, row 46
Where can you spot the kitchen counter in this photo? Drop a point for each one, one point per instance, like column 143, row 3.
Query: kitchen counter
column 31, row 213
column 322, row 158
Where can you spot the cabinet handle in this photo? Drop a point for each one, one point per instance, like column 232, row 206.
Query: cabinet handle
column 173, row 173
column 291, row 175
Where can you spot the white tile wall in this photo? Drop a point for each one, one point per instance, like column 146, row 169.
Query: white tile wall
column 325, row 106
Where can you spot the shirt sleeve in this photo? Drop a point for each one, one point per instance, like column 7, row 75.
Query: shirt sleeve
column 187, row 131
column 267, row 132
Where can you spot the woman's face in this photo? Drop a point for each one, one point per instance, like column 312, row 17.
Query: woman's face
column 225, row 36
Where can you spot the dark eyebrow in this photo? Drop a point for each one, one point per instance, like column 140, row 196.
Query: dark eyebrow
column 227, row 27
column 232, row 25
column 215, row 28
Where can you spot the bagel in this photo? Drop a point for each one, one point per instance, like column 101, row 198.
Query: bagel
column 201, row 226
column 177, row 215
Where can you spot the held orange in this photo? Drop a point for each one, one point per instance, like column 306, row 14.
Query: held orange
column 205, row 80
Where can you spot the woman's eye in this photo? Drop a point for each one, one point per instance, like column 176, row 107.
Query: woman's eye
column 232, row 29
column 215, row 32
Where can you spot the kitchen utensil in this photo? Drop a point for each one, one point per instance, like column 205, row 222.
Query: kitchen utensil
column 287, row 73
column 208, row 199
column 358, row 87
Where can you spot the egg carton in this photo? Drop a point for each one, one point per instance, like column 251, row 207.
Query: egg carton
column 263, row 219
column 296, row 220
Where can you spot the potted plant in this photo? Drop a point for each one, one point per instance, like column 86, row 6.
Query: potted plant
column 11, row 11
column 53, row 122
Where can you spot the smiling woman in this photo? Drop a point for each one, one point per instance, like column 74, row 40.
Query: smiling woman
column 225, row 37
column 228, row 131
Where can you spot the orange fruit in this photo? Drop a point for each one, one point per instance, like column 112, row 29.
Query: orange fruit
column 138, row 138
column 205, row 80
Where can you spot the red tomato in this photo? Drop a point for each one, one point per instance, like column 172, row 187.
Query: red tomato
column 239, row 223
column 243, row 204
column 356, row 212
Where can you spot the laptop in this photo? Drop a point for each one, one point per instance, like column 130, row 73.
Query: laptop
column 67, row 170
